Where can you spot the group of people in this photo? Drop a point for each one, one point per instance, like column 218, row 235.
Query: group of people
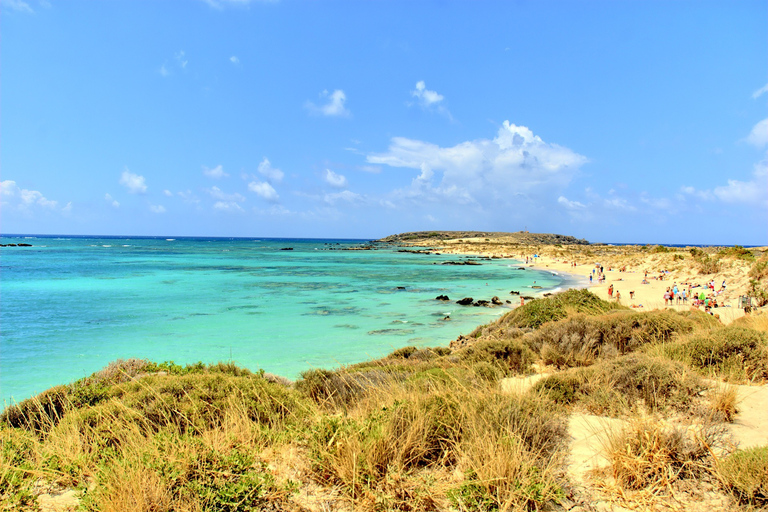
column 707, row 299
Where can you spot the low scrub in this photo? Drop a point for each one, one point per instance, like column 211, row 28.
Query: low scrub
column 745, row 474
column 619, row 386
column 648, row 455
column 581, row 340
column 441, row 430
column 540, row 311
column 735, row 353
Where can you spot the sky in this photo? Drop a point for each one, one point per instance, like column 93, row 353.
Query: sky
column 618, row 122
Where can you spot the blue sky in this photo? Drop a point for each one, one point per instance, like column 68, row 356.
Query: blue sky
column 612, row 121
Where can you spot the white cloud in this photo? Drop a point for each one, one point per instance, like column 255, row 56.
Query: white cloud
column 234, row 60
column 215, row 173
column 429, row 100
column 167, row 193
column 335, row 180
column 373, row 169
column 228, row 206
column 758, row 137
column 23, row 198
column 221, row 4
column 18, row 5
column 426, row 97
column 188, row 197
column 760, row 92
column 489, row 171
column 334, row 106
column 181, row 59
column 754, row 191
column 345, row 195
column 157, row 208
column 263, row 190
column 133, row 182
column 618, row 203
column 8, row 188
column 217, row 193
column 112, row 201
column 571, row 205
column 273, row 174
column 164, row 71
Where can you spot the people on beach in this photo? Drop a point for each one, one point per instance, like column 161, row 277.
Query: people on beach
column 610, row 291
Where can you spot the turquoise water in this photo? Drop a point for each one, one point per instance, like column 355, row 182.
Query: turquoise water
column 69, row 306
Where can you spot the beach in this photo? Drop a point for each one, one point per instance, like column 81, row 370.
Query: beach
column 624, row 269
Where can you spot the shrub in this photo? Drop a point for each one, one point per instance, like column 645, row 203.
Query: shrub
column 616, row 386
column 709, row 265
column 540, row 311
column 661, row 249
column 738, row 252
column 646, row 455
column 733, row 352
column 745, row 474
column 510, row 356
column 581, row 340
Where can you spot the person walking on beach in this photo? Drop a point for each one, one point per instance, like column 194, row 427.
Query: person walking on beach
column 610, row 291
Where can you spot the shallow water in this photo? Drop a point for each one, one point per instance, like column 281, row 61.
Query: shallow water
column 69, row 306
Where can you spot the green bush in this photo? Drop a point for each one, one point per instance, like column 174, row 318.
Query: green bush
column 540, row 311
column 734, row 352
column 738, row 252
column 745, row 474
column 616, row 386
column 581, row 340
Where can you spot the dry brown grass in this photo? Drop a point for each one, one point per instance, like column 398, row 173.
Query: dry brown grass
column 649, row 455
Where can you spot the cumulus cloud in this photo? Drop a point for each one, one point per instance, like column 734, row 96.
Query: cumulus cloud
column 335, row 180
column 334, row 106
column 167, row 193
column 157, row 208
column 215, row 173
column 426, row 97
column 758, row 137
column 272, row 174
column 112, row 201
column 217, row 193
column 23, row 198
column 429, row 100
column 263, row 190
column 133, row 182
column 234, row 60
column 515, row 162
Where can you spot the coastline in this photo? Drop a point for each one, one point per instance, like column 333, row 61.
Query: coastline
column 624, row 269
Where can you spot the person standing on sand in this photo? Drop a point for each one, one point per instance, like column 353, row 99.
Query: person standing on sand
column 610, row 291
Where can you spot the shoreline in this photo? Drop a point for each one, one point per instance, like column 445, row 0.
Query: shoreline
column 624, row 269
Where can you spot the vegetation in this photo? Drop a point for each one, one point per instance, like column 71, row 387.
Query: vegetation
column 420, row 429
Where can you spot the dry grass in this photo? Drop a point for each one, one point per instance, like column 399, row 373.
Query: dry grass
column 649, row 455
column 723, row 402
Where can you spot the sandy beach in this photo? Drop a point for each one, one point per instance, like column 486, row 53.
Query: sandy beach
column 624, row 269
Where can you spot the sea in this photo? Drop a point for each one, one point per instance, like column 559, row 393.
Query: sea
column 70, row 305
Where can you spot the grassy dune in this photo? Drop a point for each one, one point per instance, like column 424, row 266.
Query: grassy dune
column 421, row 429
